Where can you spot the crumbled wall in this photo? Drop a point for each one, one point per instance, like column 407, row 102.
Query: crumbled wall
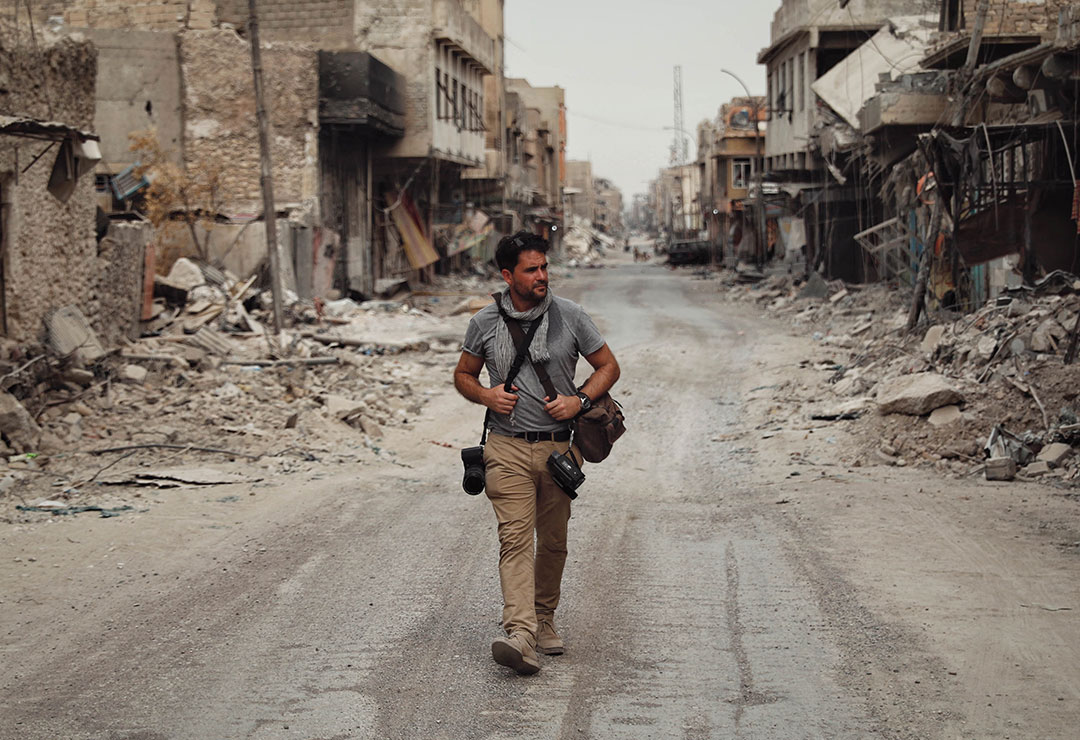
column 116, row 301
column 219, row 115
column 50, row 253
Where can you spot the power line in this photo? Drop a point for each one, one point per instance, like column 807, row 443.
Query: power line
column 616, row 124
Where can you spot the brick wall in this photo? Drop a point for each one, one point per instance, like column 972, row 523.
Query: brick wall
column 1017, row 16
column 327, row 22
column 219, row 115
column 144, row 15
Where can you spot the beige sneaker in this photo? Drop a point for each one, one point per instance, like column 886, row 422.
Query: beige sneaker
column 517, row 652
column 548, row 641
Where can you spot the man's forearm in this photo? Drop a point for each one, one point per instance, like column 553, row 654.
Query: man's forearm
column 469, row 386
column 601, row 381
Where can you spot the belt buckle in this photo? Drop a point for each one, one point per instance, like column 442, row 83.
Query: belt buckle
column 532, row 436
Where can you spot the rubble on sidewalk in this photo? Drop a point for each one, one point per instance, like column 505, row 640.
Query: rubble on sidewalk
column 941, row 387
column 210, row 381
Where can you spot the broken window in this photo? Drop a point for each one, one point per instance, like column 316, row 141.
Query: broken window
column 742, row 170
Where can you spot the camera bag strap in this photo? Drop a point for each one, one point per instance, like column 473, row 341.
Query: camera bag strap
column 522, row 340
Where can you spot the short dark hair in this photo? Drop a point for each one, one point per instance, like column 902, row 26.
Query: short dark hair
column 510, row 247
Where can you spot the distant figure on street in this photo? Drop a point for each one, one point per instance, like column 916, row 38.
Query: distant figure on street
column 526, row 427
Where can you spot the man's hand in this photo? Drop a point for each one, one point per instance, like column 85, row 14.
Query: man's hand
column 499, row 401
column 563, row 408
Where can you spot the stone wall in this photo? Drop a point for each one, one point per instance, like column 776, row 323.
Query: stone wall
column 49, row 248
column 219, row 116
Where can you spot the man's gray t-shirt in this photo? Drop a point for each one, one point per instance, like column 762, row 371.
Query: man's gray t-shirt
column 571, row 333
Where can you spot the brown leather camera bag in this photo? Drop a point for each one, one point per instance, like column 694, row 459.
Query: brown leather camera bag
column 599, row 427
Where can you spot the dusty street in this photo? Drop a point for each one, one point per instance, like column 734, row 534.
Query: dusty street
column 729, row 576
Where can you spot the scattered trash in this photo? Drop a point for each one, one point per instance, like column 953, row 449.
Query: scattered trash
column 71, row 510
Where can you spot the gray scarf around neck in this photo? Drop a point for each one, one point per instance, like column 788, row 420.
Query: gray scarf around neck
column 505, row 351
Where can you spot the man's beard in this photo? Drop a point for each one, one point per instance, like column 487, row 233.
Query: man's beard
column 531, row 295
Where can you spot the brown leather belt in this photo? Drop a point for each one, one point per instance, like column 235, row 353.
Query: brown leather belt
column 562, row 436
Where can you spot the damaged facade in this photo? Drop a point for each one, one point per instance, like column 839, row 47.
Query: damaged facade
column 990, row 125
column 399, row 148
column 53, row 250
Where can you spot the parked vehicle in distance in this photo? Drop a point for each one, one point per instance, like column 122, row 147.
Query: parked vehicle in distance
column 689, row 253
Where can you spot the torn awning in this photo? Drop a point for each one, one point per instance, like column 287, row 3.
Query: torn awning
column 33, row 128
column 417, row 247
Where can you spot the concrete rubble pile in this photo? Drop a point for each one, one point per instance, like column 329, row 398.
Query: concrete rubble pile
column 585, row 246
column 210, row 378
column 982, row 393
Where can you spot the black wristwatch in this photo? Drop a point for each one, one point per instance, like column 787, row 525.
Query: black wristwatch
column 586, row 402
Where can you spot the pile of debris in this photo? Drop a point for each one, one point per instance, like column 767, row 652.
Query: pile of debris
column 991, row 391
column 585, row 246
column 210, row 378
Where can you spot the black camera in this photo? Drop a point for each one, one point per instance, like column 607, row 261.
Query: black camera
column 566, row 473
column 473, row 457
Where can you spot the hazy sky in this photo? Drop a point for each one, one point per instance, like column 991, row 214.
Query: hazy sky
column 615, row 60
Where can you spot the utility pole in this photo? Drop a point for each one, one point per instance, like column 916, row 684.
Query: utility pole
column 266, row 178
column 679, row 150
column 964, row 74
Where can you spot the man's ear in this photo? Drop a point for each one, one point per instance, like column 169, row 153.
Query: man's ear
column 508, row 276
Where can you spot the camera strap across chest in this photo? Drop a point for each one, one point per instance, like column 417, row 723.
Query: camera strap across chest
column 522, row 340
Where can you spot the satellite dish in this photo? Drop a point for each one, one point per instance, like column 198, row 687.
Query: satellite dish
column 741, row 119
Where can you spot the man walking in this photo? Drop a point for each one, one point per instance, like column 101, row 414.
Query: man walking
column 526, row 427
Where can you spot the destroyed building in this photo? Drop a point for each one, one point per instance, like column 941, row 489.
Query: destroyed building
column 536, row 152
column 389, row 131
column 729, row 154
column 54, row 251
column 817, row 48
column 992, row 128
column 677, row 199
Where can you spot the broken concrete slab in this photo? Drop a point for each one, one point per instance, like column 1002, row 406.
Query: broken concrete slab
column 16, row 424
column 185, row 275
column 932, row 339
column 916, row 394
column 133, row 374
column 1000, row 468
column 814, row 287
column 370, row 428
column 852, row 409
column 341, row 407
column 1055, row 454
column 1036, row 469
column 70, row 334
column 945, row 415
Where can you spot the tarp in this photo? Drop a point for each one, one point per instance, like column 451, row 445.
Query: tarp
column 417, row 247
column 848, row 85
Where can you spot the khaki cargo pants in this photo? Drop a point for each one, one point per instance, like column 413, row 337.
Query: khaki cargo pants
column 526, row 499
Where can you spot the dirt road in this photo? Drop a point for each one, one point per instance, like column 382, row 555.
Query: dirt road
column 729, row 576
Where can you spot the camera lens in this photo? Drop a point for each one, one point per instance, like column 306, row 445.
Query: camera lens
column 473, row 482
